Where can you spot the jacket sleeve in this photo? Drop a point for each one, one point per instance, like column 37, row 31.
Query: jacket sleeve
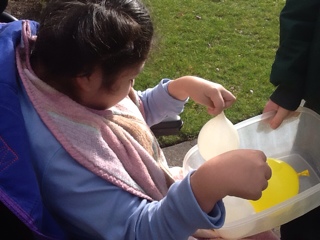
column 297, row 23
column 89, row 207
column 158, row 104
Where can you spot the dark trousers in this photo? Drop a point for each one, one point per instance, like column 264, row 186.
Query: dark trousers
column 306, row 227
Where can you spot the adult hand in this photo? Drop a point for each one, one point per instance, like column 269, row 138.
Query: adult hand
column 280, row 115
column 212, row 95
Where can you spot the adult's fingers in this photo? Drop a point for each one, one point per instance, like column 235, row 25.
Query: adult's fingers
column 281, row 114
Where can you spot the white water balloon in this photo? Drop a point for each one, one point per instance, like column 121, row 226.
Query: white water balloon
column 217, row 136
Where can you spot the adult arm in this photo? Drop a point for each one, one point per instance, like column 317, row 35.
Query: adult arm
column 297, row 24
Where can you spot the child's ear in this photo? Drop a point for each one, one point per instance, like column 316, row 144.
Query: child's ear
column 84, row 83
column 89, row 82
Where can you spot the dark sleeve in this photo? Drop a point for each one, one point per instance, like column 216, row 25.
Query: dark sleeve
column 297, row 23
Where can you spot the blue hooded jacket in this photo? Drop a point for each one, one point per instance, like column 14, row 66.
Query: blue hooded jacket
column 19, row 190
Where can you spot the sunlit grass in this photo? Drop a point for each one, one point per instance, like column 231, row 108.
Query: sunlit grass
column 229, row 42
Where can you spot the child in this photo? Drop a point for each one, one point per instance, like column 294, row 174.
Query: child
column 100, row 169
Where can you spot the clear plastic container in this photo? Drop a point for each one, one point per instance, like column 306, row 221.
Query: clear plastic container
column 296, row 142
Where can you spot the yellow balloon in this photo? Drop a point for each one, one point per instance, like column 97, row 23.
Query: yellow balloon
column 283, row 184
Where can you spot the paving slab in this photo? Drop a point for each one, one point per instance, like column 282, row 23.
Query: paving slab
column 175, row 154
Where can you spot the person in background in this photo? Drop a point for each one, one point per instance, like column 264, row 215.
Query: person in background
column 100, row 169
column 3, row 5
column 296, row 75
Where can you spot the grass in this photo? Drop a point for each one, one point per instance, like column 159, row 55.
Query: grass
column 229, row 42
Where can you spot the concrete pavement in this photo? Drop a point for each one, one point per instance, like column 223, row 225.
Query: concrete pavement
column 175, row 154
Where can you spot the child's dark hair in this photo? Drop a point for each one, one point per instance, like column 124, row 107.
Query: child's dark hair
column 75, row 36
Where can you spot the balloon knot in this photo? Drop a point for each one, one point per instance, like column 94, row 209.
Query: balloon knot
column 304, row 173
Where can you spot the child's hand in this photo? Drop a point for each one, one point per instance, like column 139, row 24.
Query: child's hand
column 241, row 173
column 212, row 95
